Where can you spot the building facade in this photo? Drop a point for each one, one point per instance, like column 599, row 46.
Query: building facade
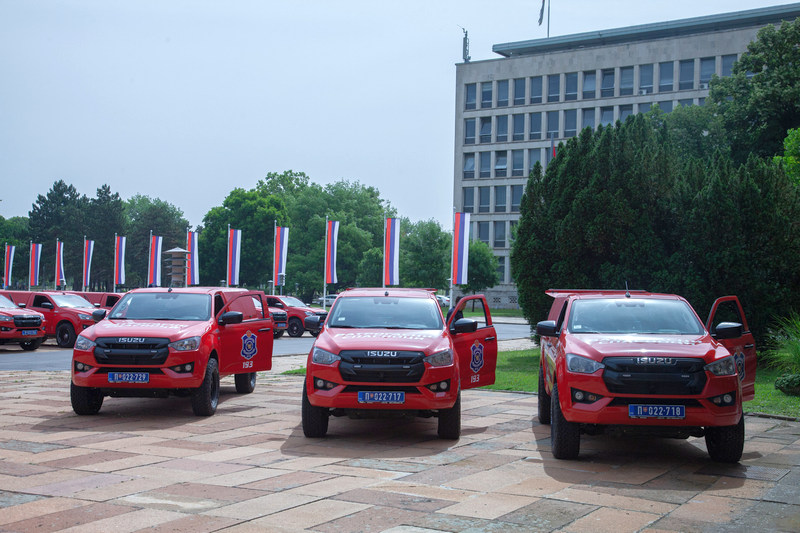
column 513, row 111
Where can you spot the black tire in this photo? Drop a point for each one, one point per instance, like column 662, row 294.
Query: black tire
column 85, row 400
column 725, row 444
column 277, row 333
column 315, row 419
column 314, row 333
column 206, row 397
column 544, row 400
column 65, row 335
column 32, row 344
column 245, row 383
column 565, row 436
column 450, row 421
column 295, row 327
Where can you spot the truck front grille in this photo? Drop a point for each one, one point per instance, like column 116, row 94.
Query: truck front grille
column 27, row 321
column 279, row 317
column 365, row 366
column 152, row 351
column 681, row 377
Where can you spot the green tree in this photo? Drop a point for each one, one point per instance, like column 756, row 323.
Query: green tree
column 105, row 217
column 285, row 184
column 791, row 155
column 481, row 268
column 370, row 273
column 15, row 231
column 425, row 257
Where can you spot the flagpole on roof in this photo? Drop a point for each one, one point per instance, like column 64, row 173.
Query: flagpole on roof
column 548, row 19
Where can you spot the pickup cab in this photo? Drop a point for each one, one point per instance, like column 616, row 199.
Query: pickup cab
column 106, row 300
column 65, row 314
column 20, row 326
column 390, row 352
column 640, row 363
column 158, row 342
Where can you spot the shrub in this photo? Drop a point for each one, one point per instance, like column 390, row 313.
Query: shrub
column 784, row 344
column 789, row 384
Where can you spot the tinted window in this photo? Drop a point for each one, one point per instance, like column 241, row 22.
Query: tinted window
column 163, row 306
column 70, row 300
column 365, row 312
column 633, row 316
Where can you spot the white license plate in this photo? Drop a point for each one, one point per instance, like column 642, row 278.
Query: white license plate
column 129, row 377
column 381, row 397
column 656, row 411
column 30, row 331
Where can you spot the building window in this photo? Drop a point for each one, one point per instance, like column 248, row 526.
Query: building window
column 500, row 199
column 666, row 106
column 486, row 94
column 570, row 122
column 708, row 66
column 645, row 107
column 686, row 79
column 469, row 166
column 727, row 64
column 606, row 115
column 486, row 129
column 519, row 91
column 516, row 198
column 607, row 82
column 665, row 77
column 502, row 128
column 483, row 232
column 471, row 96
column 626, row 81
column 534, row 156
column 469, row 131
column 469, row 199
column 625, row 111
column 553, row 87
column 502, row 93
column 646, row 79
column 535, row 127
column 518, row 125
column 552, row 124
column 571, row 86
column 483, row 199
column 589, row 85
column 587, row 120
column 686, row 102
column 517, row 162
column 500, row 234
column 501, row 268
column 501, row 163
column 485, row 161
column 701, row 101
column 536, row 90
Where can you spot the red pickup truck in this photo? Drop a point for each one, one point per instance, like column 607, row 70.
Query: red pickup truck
column 159, row 341
column 384, row 352
column 65, row 314
column 20, row 326
column 634, row 362
column 296, row 312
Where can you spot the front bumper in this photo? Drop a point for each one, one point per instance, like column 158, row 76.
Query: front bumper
column 159, row 376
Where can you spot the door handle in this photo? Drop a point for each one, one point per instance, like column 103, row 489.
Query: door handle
column 749, row 346
column 490, row 338
column 261, row 330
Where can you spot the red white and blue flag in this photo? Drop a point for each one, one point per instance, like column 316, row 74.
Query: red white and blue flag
column 192, row 263
column 234, row 253
column 61, row 279
column 8, row 264
column 279, row 260
column 460, row 248
column 33, row 270
column 331, row 238
column 88, row 249
column 391, row 255
column 154, row 263
column 119, row 260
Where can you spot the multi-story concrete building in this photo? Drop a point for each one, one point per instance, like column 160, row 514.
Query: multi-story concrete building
column 512, row 111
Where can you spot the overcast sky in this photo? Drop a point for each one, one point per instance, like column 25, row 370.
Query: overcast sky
column 185, row 100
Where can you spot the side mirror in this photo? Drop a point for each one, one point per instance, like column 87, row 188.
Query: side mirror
column 464, row 325
column 727, row 330
column 46, row 305
column 97, row 305
column 23, row 306
column 98, row 315
column 312, row 323
column 231, row 317
column 546, row 328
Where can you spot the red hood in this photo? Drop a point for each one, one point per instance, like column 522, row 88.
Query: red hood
column 11, row 311
column 599, row 346
column 427, row 341
column 170, row 329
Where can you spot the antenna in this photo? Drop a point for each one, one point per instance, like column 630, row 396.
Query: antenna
column 627, row 292
column 465, row 46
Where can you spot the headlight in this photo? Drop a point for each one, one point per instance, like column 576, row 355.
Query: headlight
column 440, row 359
column 724, row 367
column 6, row 318
column 186, row 345
column 84, row 316
column 310, row 313
column 582, row 365
column 323, row 357
column 83, row 344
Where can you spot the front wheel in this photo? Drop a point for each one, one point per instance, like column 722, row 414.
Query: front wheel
column 315, row 419
column 544, row 400
column 32, row 344
column 277, row 333
column 565, row 436
column 85, row 400
column 725, row 444
column 295, row 327
column 206, row 397
column 245, row 383
column 65, row 335
column 450, row 421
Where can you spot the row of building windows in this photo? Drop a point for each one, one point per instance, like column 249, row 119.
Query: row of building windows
column 496, row 233
column 617, row 81
column 501, row 163
column 501, row 199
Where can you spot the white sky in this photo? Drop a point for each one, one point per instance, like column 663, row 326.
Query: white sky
column 185, row 100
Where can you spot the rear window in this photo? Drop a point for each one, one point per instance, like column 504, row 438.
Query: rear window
column 163, row 306
column 385, row 312
column 633, row 316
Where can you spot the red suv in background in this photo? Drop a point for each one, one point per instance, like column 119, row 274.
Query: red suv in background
column 20, row 326
column 65, row 314
column 296, row 312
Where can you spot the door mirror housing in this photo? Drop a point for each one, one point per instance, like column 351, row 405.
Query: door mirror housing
column 231, row 317
column 98, row 315
column 546, row 328
column 312, row 323
column 464, row 325
column 727, row 330
column 47, row 305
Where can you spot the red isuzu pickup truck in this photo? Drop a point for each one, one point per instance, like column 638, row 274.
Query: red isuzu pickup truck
column 384, row 352
column 634, row 362
column 20, row 326
column 158, row 341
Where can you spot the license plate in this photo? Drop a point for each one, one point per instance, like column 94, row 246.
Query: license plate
column 657, row 411
column 381, row 397
column 30, row 331
column 128, row 377
column 280, row 324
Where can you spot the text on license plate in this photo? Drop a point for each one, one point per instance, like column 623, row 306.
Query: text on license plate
column 30, row 331
column 280, row 324
column 128, row 377
column 381, row 397
column 656, row 411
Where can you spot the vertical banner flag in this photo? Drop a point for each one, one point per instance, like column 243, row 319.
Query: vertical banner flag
column 154, row 263
column 33, row 271
column 192, row 263
column 552, row 146
column 391, row 255
column 234, row 253
column 119, row 260
column 460, row 248
column 61, row 279
column 331, row 239
column 88, row 249
column 279, row 261
column 8, row 264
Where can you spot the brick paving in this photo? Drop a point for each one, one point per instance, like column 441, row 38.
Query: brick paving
column 147, row 464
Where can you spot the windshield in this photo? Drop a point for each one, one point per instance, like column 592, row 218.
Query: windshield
column 293, row 302
column 622, row 316
column 5, row 303
column 163, row 306
column 70, row 300
column 382, row 312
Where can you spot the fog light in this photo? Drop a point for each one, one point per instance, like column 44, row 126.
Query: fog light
column 320, row 383
column 82, row 367
column 579, row 395
column 79, row 366
column 443, row 385
column 727, row 398
column 724, row 400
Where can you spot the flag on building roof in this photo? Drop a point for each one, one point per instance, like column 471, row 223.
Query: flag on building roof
column 234, row 254
column 281, row 248
column 9, row 262
column 119, row 260
column 88, row 249
column 460, row 248
column 154, row 264
column 33, row 269
column 192, row 259
column 331, row 238
column 391, row 255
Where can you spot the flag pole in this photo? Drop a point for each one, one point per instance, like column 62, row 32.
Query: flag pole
column 228, row 260
column 274, row 255
column 30, row 262
column 55, row 287
column 383, row 268
column 325, row 272
column 452, row 255
column 548, row 19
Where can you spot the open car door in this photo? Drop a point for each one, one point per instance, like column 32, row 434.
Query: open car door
column 246, row 347
column 476, row 351
column 743, row 349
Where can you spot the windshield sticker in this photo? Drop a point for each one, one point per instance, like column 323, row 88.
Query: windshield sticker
column 411, row 336
column 476, row 361
column 249, row 348
column 122, row 323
